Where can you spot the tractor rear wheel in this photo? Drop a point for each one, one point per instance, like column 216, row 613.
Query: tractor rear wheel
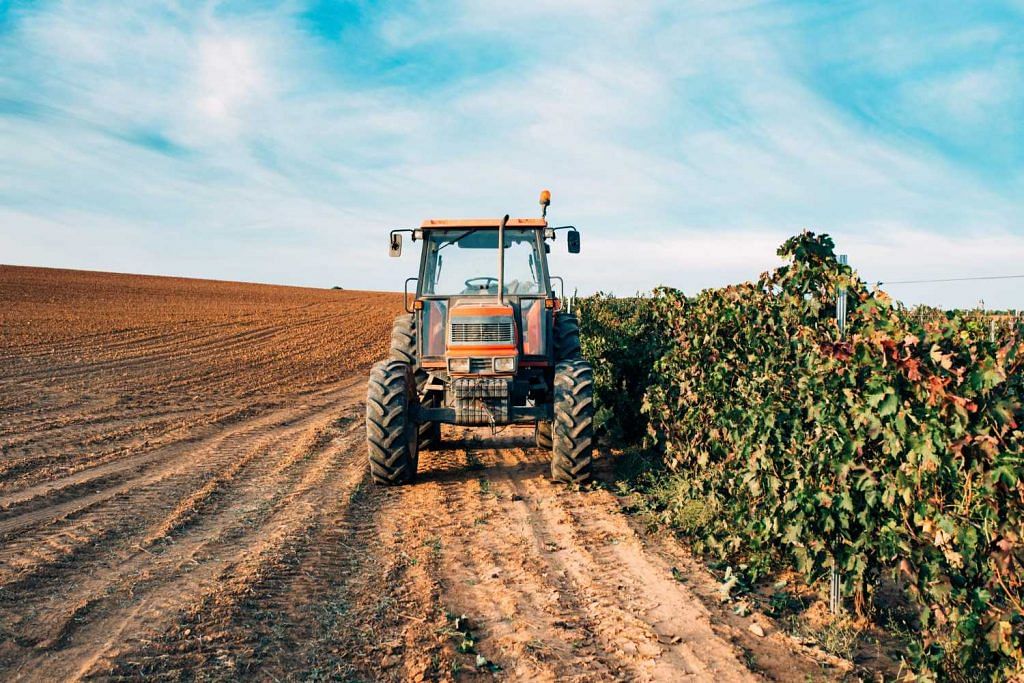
column 391, row 437
column 542, row 435
column 404, row 345
column 572, row 433
column 403, row 338
column 567, row 337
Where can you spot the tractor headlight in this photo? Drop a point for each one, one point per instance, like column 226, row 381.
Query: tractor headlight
column 458, row 365
column 505, row 364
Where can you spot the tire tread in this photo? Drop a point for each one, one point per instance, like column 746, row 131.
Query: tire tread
column 393, row 459
column 573, row 426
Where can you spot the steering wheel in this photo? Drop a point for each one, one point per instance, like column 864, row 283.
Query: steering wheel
column 487, row 280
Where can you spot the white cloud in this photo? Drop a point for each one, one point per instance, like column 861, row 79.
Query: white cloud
column 228, row 76
column 972, row 97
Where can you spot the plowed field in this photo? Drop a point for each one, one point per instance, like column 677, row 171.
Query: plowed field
column 184, row 493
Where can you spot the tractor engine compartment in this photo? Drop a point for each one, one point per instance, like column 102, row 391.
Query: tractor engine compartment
column 481, row 400
column 482, row 339
column 488, row 400
column 484, row 381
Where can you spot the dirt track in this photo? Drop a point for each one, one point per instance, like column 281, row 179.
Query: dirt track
column 183, row 492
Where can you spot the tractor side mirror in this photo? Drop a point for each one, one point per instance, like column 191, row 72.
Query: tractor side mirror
column 574, row 241
column 395, row 248
column 547, row 248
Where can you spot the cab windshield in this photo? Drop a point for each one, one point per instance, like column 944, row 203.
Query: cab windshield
column 465, row 262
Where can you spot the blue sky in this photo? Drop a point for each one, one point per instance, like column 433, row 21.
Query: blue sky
column 278, row 141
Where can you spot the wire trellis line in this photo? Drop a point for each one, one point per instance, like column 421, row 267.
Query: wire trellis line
column 949, row 279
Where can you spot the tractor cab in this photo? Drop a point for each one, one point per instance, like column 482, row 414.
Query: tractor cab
column 484, row 307
column 459, row 258
column 487, row 337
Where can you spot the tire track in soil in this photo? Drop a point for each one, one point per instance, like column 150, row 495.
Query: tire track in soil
column 555, row 582
column 318, row 606
column 264, row 548
column 56, row 471
column 350, row 597
column 130, row 588
column 171, row 462
column 658, row 628
column 57, row 466
column 538, row 629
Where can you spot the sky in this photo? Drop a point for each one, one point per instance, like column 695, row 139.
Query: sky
column 280, row 141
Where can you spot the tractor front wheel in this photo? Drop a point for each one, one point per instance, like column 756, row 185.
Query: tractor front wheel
column 391, row 434
column 403, row 347
column 572, row 432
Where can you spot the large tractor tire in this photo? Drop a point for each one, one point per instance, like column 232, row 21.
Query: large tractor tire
column 572, row 434
column 404, row 348
column 390, row 430
column 542, row 435
column 567, row 337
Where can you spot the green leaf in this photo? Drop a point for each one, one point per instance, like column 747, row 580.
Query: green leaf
column 792, row 535
column 888, row 406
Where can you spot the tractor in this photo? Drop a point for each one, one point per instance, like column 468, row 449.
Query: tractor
column 486, row 341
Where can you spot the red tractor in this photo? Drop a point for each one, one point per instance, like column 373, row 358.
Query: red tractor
column 486, row 342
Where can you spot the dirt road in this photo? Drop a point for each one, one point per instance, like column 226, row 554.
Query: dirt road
column 184, row 491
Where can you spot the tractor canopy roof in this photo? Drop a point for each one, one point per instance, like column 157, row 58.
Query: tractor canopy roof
column 443, row 223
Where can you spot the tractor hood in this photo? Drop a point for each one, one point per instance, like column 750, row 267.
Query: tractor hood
column 481, row 325
column 481, row 308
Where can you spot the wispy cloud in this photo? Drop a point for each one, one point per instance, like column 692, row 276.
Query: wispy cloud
column 277, row 141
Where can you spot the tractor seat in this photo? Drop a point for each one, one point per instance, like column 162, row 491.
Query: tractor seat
column 511, row 287
column 493, row 289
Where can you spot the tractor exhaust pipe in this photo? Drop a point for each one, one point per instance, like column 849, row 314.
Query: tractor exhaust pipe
column 501, row 260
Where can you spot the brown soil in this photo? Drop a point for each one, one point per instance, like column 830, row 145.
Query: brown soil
column 184, row 493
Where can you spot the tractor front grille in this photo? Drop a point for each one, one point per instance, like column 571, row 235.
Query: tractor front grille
column 482, row 333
